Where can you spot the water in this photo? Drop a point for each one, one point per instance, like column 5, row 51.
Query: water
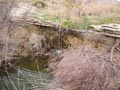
column 26, row 74
column 33, row 63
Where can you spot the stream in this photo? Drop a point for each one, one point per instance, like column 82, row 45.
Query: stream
column 26, row 74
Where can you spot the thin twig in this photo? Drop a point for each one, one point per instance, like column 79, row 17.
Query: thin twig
column 117, row 42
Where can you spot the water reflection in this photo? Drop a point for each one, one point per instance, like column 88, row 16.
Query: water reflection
column 34, row 64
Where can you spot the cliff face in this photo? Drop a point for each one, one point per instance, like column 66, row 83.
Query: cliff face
column 29, row 39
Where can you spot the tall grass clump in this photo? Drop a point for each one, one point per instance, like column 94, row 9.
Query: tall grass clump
column 24, row 79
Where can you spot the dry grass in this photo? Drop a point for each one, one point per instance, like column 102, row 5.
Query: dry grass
column 76, row 10
column 86, row 69
column 76, row 14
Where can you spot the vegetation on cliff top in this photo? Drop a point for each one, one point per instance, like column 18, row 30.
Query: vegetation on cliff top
column 77, row 14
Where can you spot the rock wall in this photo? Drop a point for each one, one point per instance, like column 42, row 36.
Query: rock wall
column 31, row 39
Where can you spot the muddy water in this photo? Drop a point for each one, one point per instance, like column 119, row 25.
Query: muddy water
column 26, row 74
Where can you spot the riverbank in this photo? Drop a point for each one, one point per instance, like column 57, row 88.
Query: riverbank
column 77, row 55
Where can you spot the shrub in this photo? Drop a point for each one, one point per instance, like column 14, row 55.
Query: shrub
column 85, row 69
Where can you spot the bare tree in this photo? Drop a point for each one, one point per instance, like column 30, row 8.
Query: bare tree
column 6, row 26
